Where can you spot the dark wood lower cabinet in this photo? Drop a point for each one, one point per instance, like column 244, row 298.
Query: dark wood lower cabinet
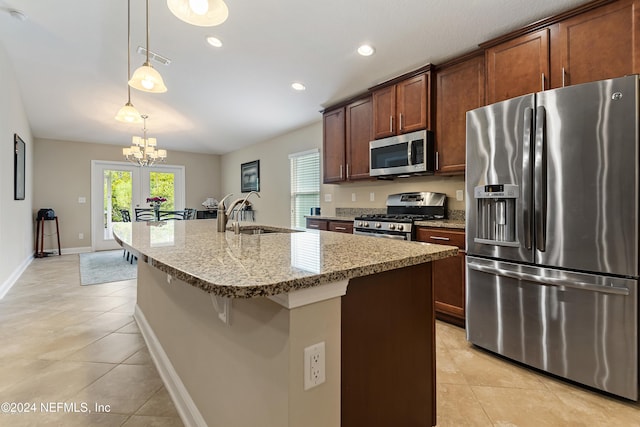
column 330, row 225
column 388, row 350
column 449, row 279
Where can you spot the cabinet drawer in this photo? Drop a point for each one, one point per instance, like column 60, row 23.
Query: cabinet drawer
column 441, row 236
column 317, row 224
column 341, row 226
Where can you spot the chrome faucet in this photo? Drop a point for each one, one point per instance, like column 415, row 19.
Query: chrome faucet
column 223, row 217
column 222, row 214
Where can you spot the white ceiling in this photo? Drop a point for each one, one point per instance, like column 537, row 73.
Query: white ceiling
column 70, row 58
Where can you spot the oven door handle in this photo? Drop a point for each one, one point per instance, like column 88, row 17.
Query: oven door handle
column 384, row 236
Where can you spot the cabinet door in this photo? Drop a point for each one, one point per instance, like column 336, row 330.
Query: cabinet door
column 460, row 88
column 518, row 66
column 599, row 44
column 448, row 275
column 341, row 226
column 412, row 108
column 359, row 133
column 448, row 287
column 333, row 145
column 384, row 112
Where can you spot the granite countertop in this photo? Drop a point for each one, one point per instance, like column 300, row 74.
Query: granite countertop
column 252, row 265
column 331, row 218
column 442, row 223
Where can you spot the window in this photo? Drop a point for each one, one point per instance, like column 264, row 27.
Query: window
column 305, row 185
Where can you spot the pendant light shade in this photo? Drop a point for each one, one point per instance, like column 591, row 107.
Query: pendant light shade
column 146, row 78
column 128, row 113
column 202, row 13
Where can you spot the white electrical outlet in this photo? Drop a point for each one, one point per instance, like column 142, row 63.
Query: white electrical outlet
column 80, row 236
column 372, row 197
column 459, row 195
column 314, row 365
column 327, row 197
column 82, row 199
column 353, row 197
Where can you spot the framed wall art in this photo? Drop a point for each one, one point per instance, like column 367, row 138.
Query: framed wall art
column 18, row 167
column 250, row 176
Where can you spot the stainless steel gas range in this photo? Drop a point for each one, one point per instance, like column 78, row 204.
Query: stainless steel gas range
column 403, row 210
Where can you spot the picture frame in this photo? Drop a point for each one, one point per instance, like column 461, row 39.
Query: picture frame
column 250, row 176
column 18, row 167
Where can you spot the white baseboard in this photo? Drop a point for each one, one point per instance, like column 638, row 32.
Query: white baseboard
column 13, row 278
column 187, row 409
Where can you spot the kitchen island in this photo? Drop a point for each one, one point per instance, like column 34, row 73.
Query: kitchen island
column 227, row 318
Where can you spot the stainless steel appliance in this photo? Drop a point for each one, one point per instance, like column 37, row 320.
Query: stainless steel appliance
column 552, row 232
column 403, row 210
column 409, row 154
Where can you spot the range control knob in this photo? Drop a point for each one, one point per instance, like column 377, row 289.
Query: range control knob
column 359, row 224
column 400, row 227
column 366, row 224
column 378, row 225
column 392, row 226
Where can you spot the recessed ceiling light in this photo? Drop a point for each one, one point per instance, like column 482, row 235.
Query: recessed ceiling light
column 298, row 86
column 214, row 41
column 366, row 50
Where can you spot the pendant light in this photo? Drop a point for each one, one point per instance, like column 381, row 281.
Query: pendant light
column 144, row 151
column 146, row 78
column 128, row 113
column 202, row 13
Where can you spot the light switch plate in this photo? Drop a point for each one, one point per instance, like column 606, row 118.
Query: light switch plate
column 327, row 197
column 82, row 199
column 459, row 195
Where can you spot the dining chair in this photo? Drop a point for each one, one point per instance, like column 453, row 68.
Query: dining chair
column 191, row 213
column 145, row 214
column 169, row 215
column 126, row 217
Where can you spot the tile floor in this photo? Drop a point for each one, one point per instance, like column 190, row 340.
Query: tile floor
column 65, row 343
column 62, row 342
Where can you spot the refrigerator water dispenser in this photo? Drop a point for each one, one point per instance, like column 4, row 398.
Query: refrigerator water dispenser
column 496, row 205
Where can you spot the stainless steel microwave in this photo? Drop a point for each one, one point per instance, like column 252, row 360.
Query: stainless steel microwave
column 409, row 154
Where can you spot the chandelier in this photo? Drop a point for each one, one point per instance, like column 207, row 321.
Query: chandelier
column 143, row 151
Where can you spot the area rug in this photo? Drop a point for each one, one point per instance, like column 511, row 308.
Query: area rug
column 104, row 267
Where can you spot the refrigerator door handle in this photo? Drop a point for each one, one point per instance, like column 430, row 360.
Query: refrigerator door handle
column 527, row 177
column 540, row 175
column 552, row 281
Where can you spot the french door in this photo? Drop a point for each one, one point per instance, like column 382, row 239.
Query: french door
column 117, row 188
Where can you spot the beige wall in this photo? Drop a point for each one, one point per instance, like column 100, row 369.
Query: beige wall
column 16, row 226
column 250, row 372
column 63, row 173
column 274, row 206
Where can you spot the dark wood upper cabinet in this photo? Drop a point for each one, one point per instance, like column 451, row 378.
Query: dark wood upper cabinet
column 412, row 108
column 359, row 133
column 402, row 107
column 384, row 112
column 599, row 44
column 596, row 41
column 459, row 88
column 518, row 66
column 347, row 132
column 333, row 132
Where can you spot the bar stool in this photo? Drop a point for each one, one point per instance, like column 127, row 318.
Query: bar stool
column 40, row 253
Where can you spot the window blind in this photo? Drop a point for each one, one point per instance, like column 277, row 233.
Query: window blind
column 305, row 185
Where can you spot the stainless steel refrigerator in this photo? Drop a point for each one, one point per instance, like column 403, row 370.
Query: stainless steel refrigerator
column 552, row 232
